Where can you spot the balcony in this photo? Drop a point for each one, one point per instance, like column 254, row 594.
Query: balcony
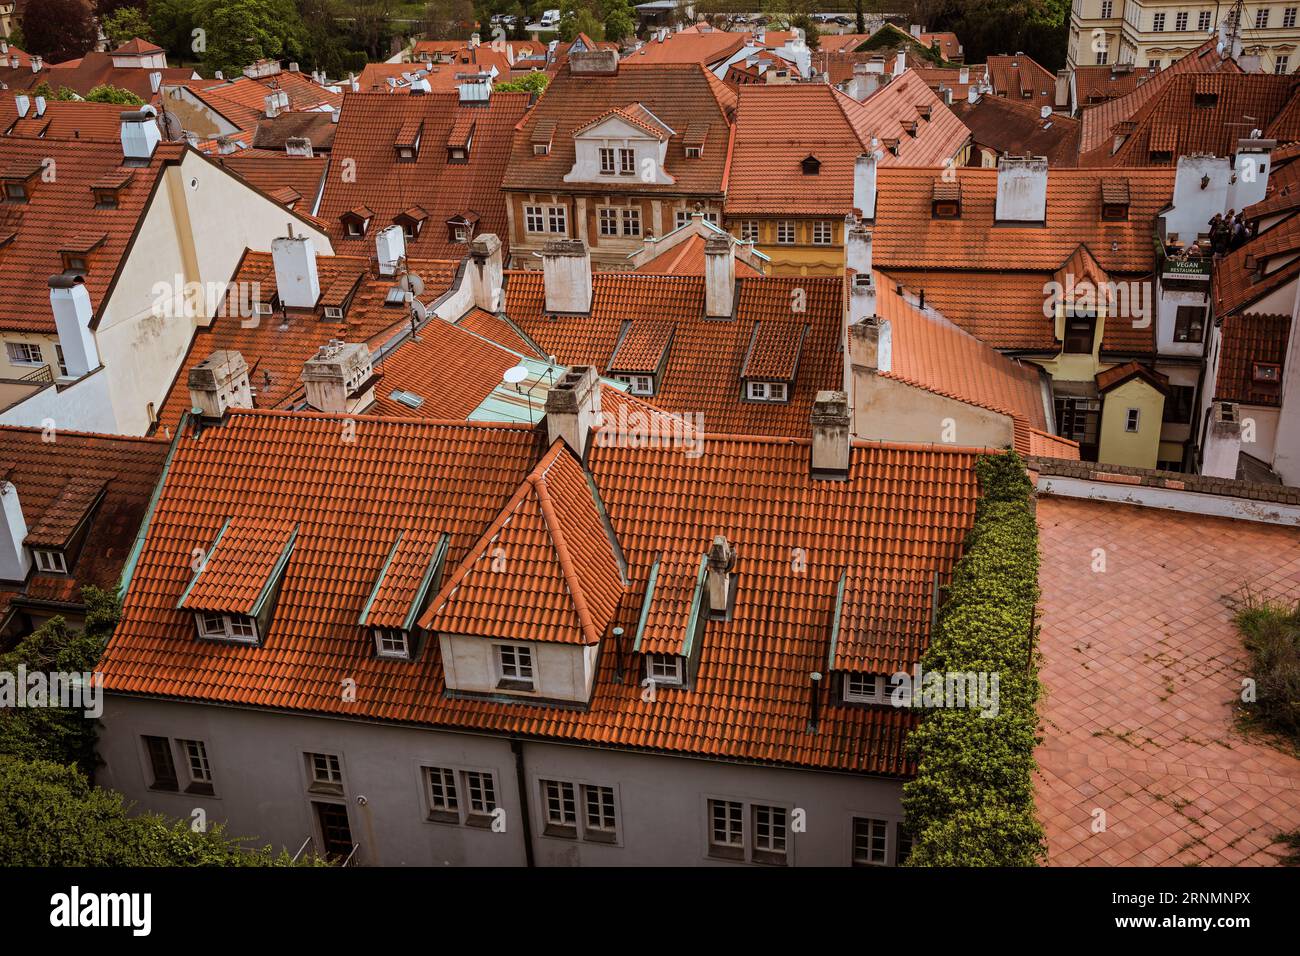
column 1177, row 267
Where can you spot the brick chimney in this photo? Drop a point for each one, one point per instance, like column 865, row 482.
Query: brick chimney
column 722, row 581
column 593, row 62
column 15, row 560
column 486, row 272
column 70, row 303
column 220, row 382
column 573, row 408
column 864, row 186
column 294, row 258
column 830, row 435
column 390, row 249
column 719, row 277
column 1022, row 189
column 339, row 378
column 566, row 275
column 140, row 133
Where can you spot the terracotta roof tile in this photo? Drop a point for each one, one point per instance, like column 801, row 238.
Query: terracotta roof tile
column 1023, row 79
column 272, row 172
column 1009, row 126
column 236, row 569
column 774, row 351
column 1250, row 337
column 405, row 576
column 674, row 584
column 54, row 528
column 1247, row 273
column 643, row 346
column 63, row 119
column 686, row 258
column 690, row 47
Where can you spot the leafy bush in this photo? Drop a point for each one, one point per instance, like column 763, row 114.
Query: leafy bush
column 534, row 82
column 113, row 94
column 972, row 800
column 50, row 815
column 1272, row 636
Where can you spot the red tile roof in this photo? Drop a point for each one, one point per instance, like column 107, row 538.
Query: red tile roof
column 838, row 130
column 61, row 209
column 243, row 99
column 900, row 517
column 237, row 566
column 62, row 481
column 1009, row 127
column 707, row 357
column 679, row 94
column 97, row 69
column 367, row 128
column 1023, row 79
column 1249, row 337
column 686, row 258
column 62, row 119
column 271, row 172
column 1096, row 84
column 690, row 47
column 1265, row 263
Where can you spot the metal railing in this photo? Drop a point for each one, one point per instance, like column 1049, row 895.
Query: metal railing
column 305, row 843
column 352, row 856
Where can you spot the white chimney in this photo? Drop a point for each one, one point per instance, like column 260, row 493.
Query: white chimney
column 566, row 275
column 963, row 74
column 1022, row 189
column 864, row 186
column 972, row 95
column 722, row 582
column 1286, row 444
column 296, row 281
column 14, row 61
column 15, row 560
column 276, row 102
column 857, row 260
column 36, row 64
column 719, row 277
column 915, row 30
column 23, row 103
column 900, row 62
column 830, row 435
column 155, row 81
column 1222, row 450
column 140, row 133
column 70, row 303
column 334, row 115
column 390, row 249
column 298, row 146
column 338, row 378
column 220, row 382
column 4, row 47
column 40, row 106
column 486, row 272
column 573, row 408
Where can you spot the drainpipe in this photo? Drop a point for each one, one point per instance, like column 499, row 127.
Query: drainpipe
column 517, row 747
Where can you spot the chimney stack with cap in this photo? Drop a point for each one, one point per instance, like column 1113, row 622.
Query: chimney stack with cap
column 857, row 264
column 15, row 559
column 719, row 277
column 70, row 303
column 830, row 441
column 487, row 271
column 573, row 408
column 722, row 580
column 864, row 186
column 566, row 275
column 1022, row 189
column 296, row 280
column 140, row 133
column 218, row 383
column 390, row 249
column 339, row 378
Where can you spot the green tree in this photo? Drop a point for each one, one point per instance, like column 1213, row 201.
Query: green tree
column 50, row 815
column 126, row 23
column 240, row 32
column 58, row 29
column 808, row 25
column 44, row 89
column 449, row 19
column 172, row 24
column 534, row 82
column 113, row 94
column 620, row 22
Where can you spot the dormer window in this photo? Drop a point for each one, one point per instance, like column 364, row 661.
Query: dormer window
column 392, row 643
column 1206, row 101
column 946, row 209
column 1266, row 373
column 105, row 199
column 76, row 254
column 639, row 384
column 50, row 562
column 541, row 149
column 357, row 221
column 334, row 312
column 407, row 141
column 766, row 391
column 861, row 688
column 694, row 152
column 810, row 165
column 457, row 154
column 514, row 663
column 15, row 192
column 665, row 669
column 267, row 306
column 1114, row 212
column 240, row 628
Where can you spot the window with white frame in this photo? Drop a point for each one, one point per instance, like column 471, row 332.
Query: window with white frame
column 560, row 800
column 392, row 642
column 632, row 222
column 1282, row 64
column 1203, row 20
column 481, row 793
column 1158, row 23
column 769, row 834
column 639, row 384
column 694, row 152
column 50, row 562
column 196, row 757
column 1261, row 18
column 766, row 391
column 727, row 829
column 326, row 773
column 1180, row 21
column 785, row 233
column 534, row 219
column 1107, row 9
column 821, row 233
column 626, row 162
column 870, row 842
column 600, row 817
column 514, row 666
column 749, row 231
column 227, row 627
column 557, row 220
column 1131, row 419
column 664, row 669
column 24, row 353
column 440, row 792
column 63, row 364
column 1288, row 17
column 606, row 161
column 864, row 688
column 608, row 217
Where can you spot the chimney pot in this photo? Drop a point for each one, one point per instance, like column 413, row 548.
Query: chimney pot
column 719, row 277
column 390, row 249
column 573, row 408
column 70, row 303
column 220, row 382
column 22, row 103
column 294, row 258
column 864, row 186
column 830, row 435
column 15, row 559
column 488, row 264
column 566, row 275
column 140, row 133
column 334, row 378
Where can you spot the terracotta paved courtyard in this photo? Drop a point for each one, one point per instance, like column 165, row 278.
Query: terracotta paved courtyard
column 1141, row 668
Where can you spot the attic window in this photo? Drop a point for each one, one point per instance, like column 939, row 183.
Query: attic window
column 946, row 209
column 407, row 141
column 75, row 264
column 333, row 312
column 16, row 192
column 1114, row 211
column 1266, row 373
column 864, row 688
column 457, row 154
column 664, row 669
column 766, row 391
column 694, row 152
column 240, row 628
column 811, row 165
column 392, row 642
column 541, row 149
column 50, row 562
column 639, row 384
column 1205, row 100
column 105, row 198
column 409, row 399
column 1161, row 156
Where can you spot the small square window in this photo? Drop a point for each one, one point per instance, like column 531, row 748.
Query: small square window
column 50, row 562
column 541, row 149
column 641, row 384
column 821, row 233
column 870, row 842
column 785, row 233
column 664, row 669
column 694, row 152
column 16, row 192
column 393, row 642
column 862, row 688
column 356, row 227
column 24, row 353
column 515, row 667
column 326, row 773
column 749, row 231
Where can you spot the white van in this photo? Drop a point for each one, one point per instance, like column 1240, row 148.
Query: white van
column 550, row 18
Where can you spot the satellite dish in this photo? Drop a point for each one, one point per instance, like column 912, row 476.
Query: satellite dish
column 412, row 283
column 515, row 374
column 419, row 310
column 1218, row 48
column 1045, row 112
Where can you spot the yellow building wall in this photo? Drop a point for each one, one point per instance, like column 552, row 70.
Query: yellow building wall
column 802, row 257
column 1116, row 446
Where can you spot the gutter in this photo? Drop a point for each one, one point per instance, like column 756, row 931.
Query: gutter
column 517, row 748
